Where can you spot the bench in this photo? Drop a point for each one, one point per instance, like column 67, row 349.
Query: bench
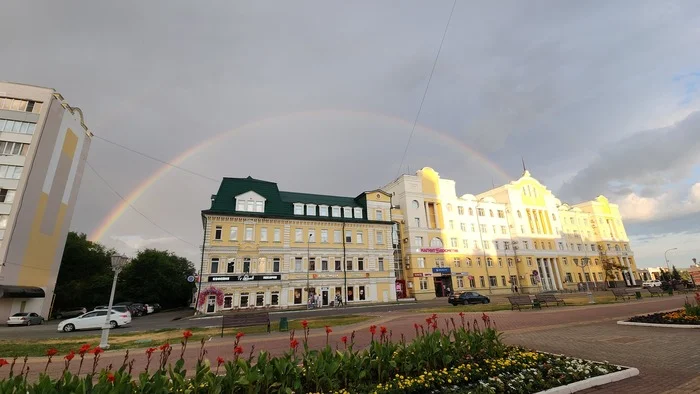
column 621, row 293
column 682, row 290
column 518, row 301
column 245, row 319
column 547, row 298
column 655, row 291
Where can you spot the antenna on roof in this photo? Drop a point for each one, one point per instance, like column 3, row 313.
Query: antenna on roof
column 493, row 186
column 523, row 159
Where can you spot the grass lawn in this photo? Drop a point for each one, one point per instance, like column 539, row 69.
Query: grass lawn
column 32, row 347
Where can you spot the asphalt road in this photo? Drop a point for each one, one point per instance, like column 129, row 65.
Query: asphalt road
column 183, row 319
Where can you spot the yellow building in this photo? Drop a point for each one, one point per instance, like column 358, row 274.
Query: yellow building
column 269, row 248
column 516, row 237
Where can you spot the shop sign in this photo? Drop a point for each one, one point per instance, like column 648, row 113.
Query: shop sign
column 243, row 278
column 437, row 250
column 417, row 274
column 442, row 270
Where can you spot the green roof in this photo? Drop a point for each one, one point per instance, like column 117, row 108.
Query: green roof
column 278, row 203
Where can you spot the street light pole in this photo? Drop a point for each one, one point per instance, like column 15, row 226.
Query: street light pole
column 584, row 262
column 118, row 263
column 668, row 269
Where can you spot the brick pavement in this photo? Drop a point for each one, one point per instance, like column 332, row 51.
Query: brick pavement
column 401, row 323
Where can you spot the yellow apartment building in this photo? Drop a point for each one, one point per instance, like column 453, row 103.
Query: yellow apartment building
column 266, row 248
column 516, row 237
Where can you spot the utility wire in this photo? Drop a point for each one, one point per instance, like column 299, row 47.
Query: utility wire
column 134, row 208
column 425, row 93
column 156, row 159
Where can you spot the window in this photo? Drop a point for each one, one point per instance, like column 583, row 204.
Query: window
column 360, row 264
column 7, row 196
column 482, row 281
column 335, row 211
column 495, row 245
column 492, row 281
column 480, row 211
column 298, row 209
column 465, row 243
column 456, row 262
column 259, row 206
column 15, row 126
column 489, row 261
column 358, row 213
column 362, row 293
column 214, row 269
column 501, row 214
column 275, row 298
column 259, row 299
column 460, row 282
column 561, row 246
column 483, row 228
column 298, row 235
column 471, row 212
column 380, row 262
column 312, row 236
column 418, row 241
column 348, row 236
column 276, row 264
column 473, row 228
column 298, row 266
column 491, row 212
column 324, row 236
column 263, row 234
column 436, row 243
column 420, row 262
column 244, row 300
column 504, row 230
column 452, row 224
column 463, row 226
column 231, row 266
column 297, row 296
column 510, row 262
column 417, row 221
column 276, row 235
column 337, row 236
column 569, row 278
column 246, row 264
column 324, row 264
column 503, row 281
column 472, row 282
column 323, row 210
column 217, row 233
column 380, row 237
column 240, row 205
column 460, row 210
column 350, row 295
column 248, row 233
column 311, row 209
column 476, row 244
column 526, row 244
column 453, row 242
column 359, row 237
column 338, row 266
column 379, row 214
column 228, row 301
column 348, row 265
column 423, row 283
column 486, row 244
column 500, row 262
column 233, row 233
column 11, row 148
column 469, row 262
column 312, row 264
column 347, row 212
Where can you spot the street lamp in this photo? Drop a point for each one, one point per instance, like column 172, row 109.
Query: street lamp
column 584, row 262
column 668, row 269
column 308, row 270
column 118, row 263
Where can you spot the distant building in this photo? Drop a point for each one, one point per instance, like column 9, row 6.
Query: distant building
column 43, row 146
column 266, row 248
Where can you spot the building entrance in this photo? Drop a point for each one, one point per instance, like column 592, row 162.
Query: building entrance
column 443, row 286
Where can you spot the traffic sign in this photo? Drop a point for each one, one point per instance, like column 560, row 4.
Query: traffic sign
column 190, row 278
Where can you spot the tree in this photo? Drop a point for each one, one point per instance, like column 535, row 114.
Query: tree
column 157, row 276
column 675, row 274
column 85, row 276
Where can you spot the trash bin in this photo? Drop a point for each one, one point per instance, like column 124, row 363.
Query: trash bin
column 536, row 304
column 638, row 295
column 284, row 324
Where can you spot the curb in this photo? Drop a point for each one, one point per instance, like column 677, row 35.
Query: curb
column 593, row 382
column 629, row 323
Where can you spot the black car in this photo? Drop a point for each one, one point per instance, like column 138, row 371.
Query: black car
column 468, row 297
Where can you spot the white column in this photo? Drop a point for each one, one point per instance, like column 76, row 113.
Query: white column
column 543, row 274
column 556, row 272
column 629, row 269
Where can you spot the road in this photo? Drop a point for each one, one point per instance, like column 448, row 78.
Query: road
column 183, row 319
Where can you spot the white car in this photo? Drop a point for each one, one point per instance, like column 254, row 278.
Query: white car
column 94, row 320
column 651, row 283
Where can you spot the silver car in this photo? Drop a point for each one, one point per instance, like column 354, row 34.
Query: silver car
column 24, row 319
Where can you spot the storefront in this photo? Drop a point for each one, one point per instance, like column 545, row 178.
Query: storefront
column 442, row 279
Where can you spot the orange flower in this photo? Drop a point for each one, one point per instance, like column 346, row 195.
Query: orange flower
column 69, row 356
column 239, row 335
column 187, row 334
column 51, row 352
column 304, row 323
column 373, row 329
column 293, row 343
column 238, row 350
column 328, row 330
column 84, row 349
column 97, row 350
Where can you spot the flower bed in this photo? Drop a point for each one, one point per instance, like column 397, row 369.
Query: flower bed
column 689, row 315
column 452, row 357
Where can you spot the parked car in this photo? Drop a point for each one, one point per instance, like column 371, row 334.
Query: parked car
column 468, row 297
column 156, row 307
column 136, row 309
column 651, row 283
column 118, row 308
column 24, row 319
column 69, row 312
column 95, row 320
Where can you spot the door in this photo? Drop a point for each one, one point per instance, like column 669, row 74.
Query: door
column 324, row 297
column 438, row 287
column 211, row 304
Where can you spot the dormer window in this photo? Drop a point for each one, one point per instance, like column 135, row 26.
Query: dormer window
column 336, row 212
column 298, row 209
column 323, row 210
column 311, row 209
column 250, row 202
column 358, row 213
column 347, row 212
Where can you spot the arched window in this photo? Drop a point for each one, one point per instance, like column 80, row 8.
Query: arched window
column 489, row 261
column 449, row 207
column 471, row 212
column 436, row 243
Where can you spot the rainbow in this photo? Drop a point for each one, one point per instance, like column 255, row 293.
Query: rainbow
column 135, row 194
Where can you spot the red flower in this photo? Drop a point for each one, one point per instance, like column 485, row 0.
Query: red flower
column 485, row 317
column 110, row 377
column 373, row 329
column 429, row 320
column 461, row 314
column 69, row 356
column 220, row 360
column 239, row 335
column 328, row 330
column 415, row 325
column 382, row 329
column 164, row 346
column 238, row 350
column 434, row 316
column 344, row 339
column 51, row 352
column 293, row 343
column 97, row 350
column 304, row 323
column 84, row 349
column 3, row 362
column 150, row 350
column 187, row 334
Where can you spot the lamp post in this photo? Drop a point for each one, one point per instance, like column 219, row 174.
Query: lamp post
column 118, row 263
column 584, row 262
column 308, row 270
column 478, row 223
column 668, row 269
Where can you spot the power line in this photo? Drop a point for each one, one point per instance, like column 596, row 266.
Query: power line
column 133, row 207
column 425, row 93
column 156, row 159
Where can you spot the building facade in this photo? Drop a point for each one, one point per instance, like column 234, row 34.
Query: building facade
column 44, row 143
column 266, row 248
column 517, row 237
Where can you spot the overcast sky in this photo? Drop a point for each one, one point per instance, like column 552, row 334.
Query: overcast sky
column 320, row 96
